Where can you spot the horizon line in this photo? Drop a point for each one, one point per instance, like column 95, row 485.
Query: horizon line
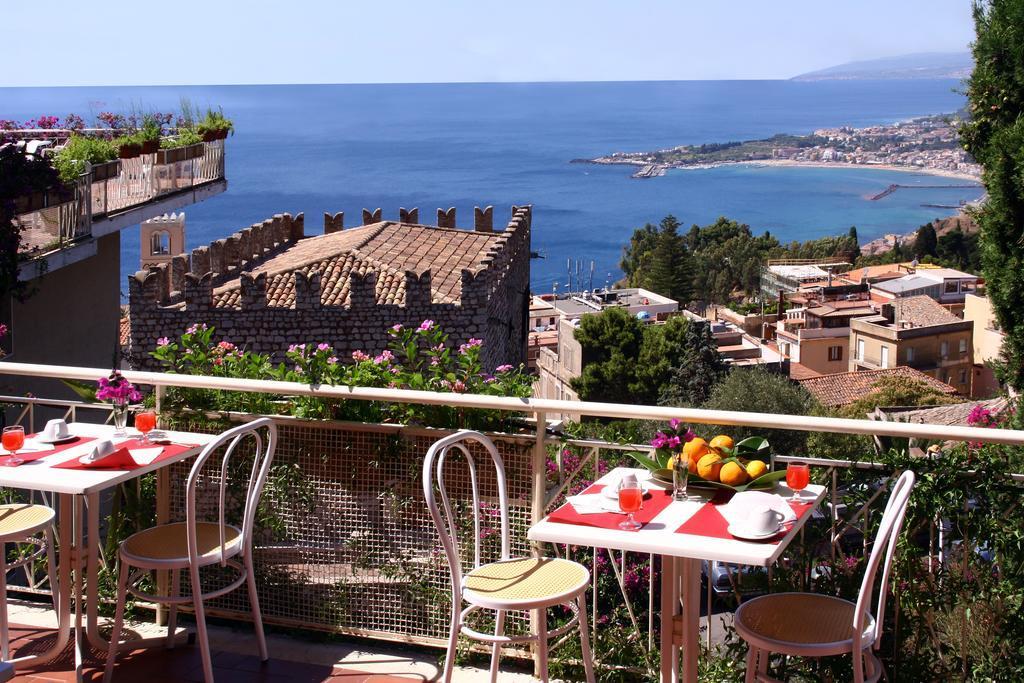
column 796, row 79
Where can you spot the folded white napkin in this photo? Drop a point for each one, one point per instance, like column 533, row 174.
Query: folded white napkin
column 593, row 503
column 144, row 456
column 737, row 509
column 99, row 451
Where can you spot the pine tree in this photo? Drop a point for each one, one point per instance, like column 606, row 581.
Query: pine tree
column 925, row 242
column 994, row 136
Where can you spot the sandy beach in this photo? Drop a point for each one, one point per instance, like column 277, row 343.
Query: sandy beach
column 941, row 172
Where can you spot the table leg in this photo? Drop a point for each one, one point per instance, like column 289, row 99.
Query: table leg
column 669, row 607
column 691, row 618
column 163, row 516
column 92, row 575
column 75, row 547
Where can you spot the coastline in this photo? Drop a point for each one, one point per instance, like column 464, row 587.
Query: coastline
column 653, row 170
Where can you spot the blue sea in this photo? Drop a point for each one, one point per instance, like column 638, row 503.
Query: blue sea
column 317, row 148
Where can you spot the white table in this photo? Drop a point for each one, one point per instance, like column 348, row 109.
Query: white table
column 681, row 555
column 75, row 488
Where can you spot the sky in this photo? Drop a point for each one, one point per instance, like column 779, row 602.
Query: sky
column 202, row 42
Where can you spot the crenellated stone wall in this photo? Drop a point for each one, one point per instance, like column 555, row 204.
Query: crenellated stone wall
column 493, row 305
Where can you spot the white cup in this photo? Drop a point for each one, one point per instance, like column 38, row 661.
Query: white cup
column 55, row 430
column 764, row 520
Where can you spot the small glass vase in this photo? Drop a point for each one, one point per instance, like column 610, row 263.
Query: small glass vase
column 680, row 478
column 120, row 412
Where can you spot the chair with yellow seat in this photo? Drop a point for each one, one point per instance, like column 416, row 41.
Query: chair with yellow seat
column 22, row 523
column 195, row 544
column 509, row 584
column 811, row 625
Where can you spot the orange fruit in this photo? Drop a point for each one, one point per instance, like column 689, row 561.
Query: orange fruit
column 733, row 474
column 722, row 442
column 695, row 449
column 709, row 466
column 755, row 468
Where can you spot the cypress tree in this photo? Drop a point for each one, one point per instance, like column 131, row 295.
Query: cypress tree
column 994, row 136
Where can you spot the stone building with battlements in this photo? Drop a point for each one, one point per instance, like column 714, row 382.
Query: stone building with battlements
column 269, row 286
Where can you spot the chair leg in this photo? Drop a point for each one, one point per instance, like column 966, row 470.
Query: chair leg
column 201, row 634
column 115, row 633
column 5, row 636
column 254, row 605
column 51, row 568
column 858, row 667
column 453, row 642
column 542, row 643
column 172, row 608
column 499, row 629
column 762, row 662
column 751, row 675
column 584, row 626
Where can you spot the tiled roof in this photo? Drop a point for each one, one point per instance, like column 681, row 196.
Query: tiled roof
column 798, row 372
column 387, row 249
column 922, row 311
column 954, row 414
column 124, row 332
column 844, row 388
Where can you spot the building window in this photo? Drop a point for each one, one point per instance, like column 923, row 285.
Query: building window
column 835, row 353
column 160, row 243
column 885, row 357
column 952, row 286
column 910, row 354
column 944, row 349
column 860, row 349
column 963, row 377
column 963, row 346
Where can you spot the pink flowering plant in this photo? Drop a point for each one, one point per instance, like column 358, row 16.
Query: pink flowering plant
column 117, row 390
column 420, row 357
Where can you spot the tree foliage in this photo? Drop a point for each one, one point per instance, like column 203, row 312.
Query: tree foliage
column 897, row 391
column 758, row 390
column 657, row 259
column 994, row 135
column 611, row 343
column 697, row 372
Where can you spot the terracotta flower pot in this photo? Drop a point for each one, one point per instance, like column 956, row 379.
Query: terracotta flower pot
column 150, row 146
column 210, row 135
column 130, row 150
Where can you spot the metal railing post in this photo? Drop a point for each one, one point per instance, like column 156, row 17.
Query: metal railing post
column 537, row 502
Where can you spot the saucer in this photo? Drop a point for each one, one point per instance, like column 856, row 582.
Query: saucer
column 613, row 493
column 54, row 442
column 747, row 535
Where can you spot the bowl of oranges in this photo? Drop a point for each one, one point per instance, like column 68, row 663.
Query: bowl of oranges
column 716, row 463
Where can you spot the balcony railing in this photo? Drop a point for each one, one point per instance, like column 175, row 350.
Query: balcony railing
column 53, row 221
column 353, row 550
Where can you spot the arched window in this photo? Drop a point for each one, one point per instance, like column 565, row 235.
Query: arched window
column 160, row 243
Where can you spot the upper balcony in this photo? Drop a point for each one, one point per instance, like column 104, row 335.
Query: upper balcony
column 59, row 221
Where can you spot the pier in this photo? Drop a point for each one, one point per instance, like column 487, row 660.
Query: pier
column 650, row 171
column 896, row 186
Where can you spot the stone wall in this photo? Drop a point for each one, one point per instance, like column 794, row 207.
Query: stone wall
column 166, row 299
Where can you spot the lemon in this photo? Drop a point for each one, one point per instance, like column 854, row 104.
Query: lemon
column 695, row 449
column 755, row 468
column 709, row 466
column 733, row 474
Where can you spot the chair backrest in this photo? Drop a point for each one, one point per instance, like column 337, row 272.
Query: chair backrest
column 263, row 432
column 885, row 545
column 444, row 517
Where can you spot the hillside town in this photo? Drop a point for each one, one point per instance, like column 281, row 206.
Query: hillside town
column 928, row 144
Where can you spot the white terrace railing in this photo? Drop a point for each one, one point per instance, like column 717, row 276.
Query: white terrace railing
column 533, row 489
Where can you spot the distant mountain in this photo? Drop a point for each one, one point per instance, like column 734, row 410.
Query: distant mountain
column 921, row 65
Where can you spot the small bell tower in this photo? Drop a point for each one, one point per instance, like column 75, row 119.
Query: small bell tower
column 161, row 238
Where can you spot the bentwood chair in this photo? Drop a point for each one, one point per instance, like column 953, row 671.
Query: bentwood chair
column 21, row 523
column 194, row 544
column 810, row 625
column 509, row 584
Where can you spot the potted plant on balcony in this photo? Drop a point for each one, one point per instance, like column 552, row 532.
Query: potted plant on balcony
column 215, row 126
column 128, row 146
column 70, row 160
column 149, row 134
column 181, row 147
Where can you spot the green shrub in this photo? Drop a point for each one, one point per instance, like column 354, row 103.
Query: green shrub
column 70, row 161
column 184, row 138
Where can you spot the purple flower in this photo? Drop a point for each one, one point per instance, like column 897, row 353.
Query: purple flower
column 659, row 440
column 3, row 330
column 359, row 356
column 673, row 442
column 426, row 326
column 503, row 368
column 196, row 327
column 674, row 424
column 117, row 389
column 162, row 341
column 396, row 328
column 385, row 357
column 471, row 344
column 333, row 360
column 323, row 347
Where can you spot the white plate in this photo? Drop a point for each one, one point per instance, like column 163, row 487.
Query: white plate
column 745, row 534
column 613, row 493
column 54, row 442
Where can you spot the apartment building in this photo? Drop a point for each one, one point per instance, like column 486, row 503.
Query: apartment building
column 988, row 343
column 917, row 332
column 817, row 335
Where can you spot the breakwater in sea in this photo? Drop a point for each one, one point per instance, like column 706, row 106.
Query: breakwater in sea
column 899, row 186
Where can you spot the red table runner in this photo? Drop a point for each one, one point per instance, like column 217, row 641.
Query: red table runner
column 708, row 521
column 29, row 456
column 170, row 450
column 653, row 504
